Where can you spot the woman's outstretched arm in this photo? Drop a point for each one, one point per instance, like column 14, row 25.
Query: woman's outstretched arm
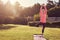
column 40, row 11
column 45, row 9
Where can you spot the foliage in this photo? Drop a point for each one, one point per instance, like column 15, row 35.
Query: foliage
column 54, row 12
column 15, row 13
column 36, row 17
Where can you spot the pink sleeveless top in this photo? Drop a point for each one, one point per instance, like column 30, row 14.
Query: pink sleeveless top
column 43, row 14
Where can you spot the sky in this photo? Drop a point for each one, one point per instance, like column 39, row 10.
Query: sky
column 27, row 3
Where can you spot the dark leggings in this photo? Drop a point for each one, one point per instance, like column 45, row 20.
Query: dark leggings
column 44, row 24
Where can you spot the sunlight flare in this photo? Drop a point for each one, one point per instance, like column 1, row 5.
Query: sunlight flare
column 11, row 1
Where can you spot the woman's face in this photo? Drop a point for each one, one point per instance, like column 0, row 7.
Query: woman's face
column 43, row 10
column 43, row 7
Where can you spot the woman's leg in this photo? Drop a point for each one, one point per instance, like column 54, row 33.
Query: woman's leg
column 43, row 27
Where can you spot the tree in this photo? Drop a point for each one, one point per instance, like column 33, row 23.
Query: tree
column 54, row 12
column 2, row 17
column 36, row 17
column 1, row 8
column 36, row 8
column 30, row 11
column 50, row 4
column 18, row 8
column 8, row 9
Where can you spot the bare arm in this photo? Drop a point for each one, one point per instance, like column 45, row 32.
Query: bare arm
column 45, row 8
column 40, row 11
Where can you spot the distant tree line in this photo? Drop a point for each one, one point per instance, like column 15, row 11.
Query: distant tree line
column 20, row 15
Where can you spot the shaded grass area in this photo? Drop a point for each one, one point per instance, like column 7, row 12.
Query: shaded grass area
column 53, row 25
column 24, row 32
column 5, row 26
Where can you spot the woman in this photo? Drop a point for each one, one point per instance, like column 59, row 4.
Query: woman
column 43, row 14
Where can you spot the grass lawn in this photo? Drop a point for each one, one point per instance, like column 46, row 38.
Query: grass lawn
column 21, row 32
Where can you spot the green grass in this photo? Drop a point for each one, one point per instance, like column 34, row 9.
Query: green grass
column 21, row 32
